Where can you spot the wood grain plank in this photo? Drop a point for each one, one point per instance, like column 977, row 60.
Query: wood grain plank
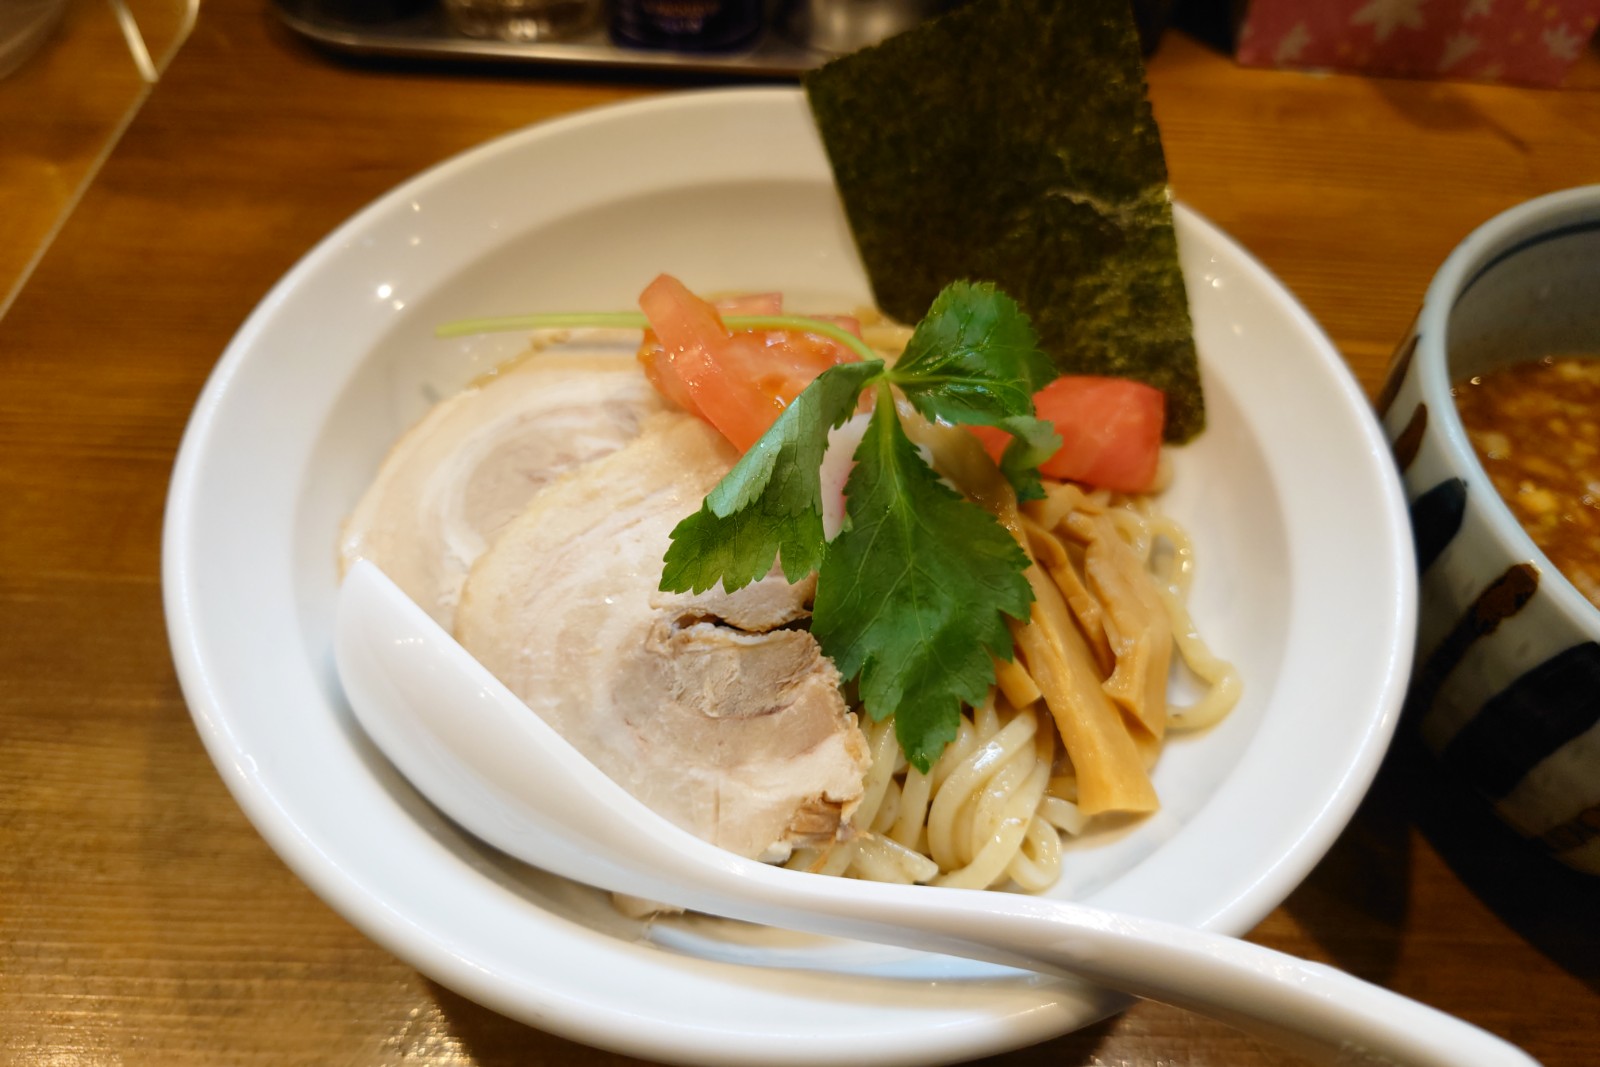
column 143, row 921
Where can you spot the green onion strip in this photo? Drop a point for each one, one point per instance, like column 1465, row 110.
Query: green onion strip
column 634, row 320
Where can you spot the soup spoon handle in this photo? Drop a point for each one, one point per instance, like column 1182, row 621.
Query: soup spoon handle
column 1320, row 1012
column 480, row 755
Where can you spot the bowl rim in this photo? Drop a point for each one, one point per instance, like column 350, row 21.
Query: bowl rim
column 340, row 889
column 1493, row 242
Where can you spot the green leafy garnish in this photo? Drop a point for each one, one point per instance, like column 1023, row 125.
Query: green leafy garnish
column 770, row 504
column 1033, row 442
column 976, row 345
column 973, row 358
column 913, row 593
column 910, row 595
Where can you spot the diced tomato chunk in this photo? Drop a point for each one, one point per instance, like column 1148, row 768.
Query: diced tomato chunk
column 662, row 375
column 739, row 381
column 1110, row 431
column 751, row 304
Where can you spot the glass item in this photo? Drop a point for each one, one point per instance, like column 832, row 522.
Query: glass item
column 522, row 20
column 24, row 26
column 685, row 25
column 840, row 26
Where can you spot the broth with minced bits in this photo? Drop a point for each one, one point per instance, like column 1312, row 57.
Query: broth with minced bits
column 1536, row 429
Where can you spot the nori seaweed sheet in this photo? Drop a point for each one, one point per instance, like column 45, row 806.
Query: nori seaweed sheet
column 1011, row 141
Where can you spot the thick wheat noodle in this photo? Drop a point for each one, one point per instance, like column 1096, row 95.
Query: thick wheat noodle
column 946, row 837
column 1036, row 864
column 1223, row 684
column 915, row 794
column 992, row 860
column 992, row 809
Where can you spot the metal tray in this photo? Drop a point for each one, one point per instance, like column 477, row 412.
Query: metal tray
column 413, row 31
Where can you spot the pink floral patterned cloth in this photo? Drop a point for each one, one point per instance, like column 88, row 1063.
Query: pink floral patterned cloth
column 1527, row 41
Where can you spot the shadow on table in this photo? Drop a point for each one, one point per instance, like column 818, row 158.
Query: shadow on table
column 493, row 1040
column 1355, row 902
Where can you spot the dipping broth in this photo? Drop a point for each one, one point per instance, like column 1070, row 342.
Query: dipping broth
column 1536, row 429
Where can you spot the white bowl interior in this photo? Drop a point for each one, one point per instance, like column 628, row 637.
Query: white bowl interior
column 1534, row 299
column 1304, row 580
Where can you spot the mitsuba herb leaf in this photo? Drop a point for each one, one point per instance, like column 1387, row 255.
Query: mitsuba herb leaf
column 770, row 505
column 911, row 594
column 1033, row 441
column 973, row 358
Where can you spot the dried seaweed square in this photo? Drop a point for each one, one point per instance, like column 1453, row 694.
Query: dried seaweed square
column 1012, row 141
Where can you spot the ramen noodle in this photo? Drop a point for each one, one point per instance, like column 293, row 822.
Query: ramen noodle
column 1111, row 577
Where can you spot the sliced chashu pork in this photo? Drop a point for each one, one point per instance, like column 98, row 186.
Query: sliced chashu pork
column 703, row 707
column 449, row 486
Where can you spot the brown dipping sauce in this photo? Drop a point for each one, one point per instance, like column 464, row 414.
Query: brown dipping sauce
column 1536, row 429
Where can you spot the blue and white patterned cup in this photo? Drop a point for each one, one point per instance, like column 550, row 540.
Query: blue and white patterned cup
column 1506, row 688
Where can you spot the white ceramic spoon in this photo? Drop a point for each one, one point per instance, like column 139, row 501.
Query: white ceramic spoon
column 484, row 759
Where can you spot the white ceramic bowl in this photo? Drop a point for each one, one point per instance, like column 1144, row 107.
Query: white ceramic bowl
column 1507, row 687
column 1305, row 580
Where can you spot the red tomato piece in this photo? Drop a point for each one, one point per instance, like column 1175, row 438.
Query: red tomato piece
column 673, row 350
column 652, row 357
column 1110, row 431
column 751, row 304
column 738, row 381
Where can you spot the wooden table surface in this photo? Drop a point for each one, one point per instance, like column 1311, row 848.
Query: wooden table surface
column 142, row 920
